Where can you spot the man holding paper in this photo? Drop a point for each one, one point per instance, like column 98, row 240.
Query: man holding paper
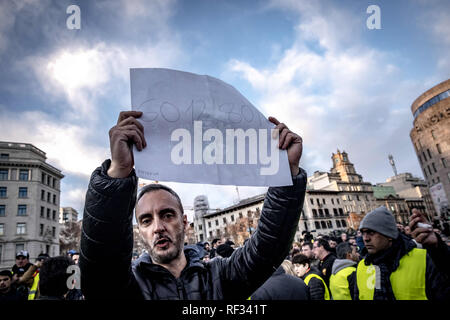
column 168, row 272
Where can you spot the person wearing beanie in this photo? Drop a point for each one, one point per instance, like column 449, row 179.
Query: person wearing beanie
column 394, row 268
column 224, row 250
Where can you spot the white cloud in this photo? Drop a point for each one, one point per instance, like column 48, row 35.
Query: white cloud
column 67, row 146
column 334, row 95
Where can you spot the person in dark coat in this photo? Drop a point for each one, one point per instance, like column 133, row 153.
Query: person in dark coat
column 7, row 291
column 312, row 277
column 166, row 271
column 282, row 285
column 324, row 253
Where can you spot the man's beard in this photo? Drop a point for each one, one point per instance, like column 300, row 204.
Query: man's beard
column 166, row 256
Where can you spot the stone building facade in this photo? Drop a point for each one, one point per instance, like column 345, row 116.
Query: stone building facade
column 431, row 139
column 29, row 202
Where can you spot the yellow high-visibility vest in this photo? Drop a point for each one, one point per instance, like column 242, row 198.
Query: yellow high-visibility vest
column 313, row 275
column 339, row 285
column 34, row 288
column 408, row 281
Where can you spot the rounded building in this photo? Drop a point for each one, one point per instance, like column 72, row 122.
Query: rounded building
column 431, row 139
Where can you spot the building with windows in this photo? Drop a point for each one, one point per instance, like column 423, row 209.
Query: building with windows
column 29, row 203
column 431, row 139
column 68, row 214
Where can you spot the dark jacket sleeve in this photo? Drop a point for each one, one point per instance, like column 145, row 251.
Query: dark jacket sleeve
column 107, row 236
column 352, row 284
column 316, row 289
column 441, row 256
column 437, row 284
column 250, row 266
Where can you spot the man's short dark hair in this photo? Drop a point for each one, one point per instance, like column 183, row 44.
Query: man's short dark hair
column 323, row 243
column 7, row 273
column 342, row 249
column 215, row 241
column 53, row 276
column 301, row 259
column 155, row 187
column 309, row 244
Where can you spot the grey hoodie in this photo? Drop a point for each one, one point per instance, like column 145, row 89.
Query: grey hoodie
column 340, row 264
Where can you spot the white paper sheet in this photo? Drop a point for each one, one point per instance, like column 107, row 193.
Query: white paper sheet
column 200, row 129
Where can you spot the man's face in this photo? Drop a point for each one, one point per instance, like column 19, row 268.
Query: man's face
column 332, row 243
column 161, row 225
column 300, row 269
column 318, row 251
column 5, row 283
column 374, row 241
column 21, row 261
column 306, row 250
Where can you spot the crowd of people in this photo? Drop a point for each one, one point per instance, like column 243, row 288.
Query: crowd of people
column 46, row 279
column 330, row 267
column 380, row 262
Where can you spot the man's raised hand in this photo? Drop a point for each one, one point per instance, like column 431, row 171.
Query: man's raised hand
column 122, row 136
column 290, row 141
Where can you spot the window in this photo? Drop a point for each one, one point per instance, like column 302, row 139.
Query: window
column 54, row 183
column 23, row 174
column 22, row 210
column 317, row 224
column 314, row 212
column 3, row 192
column 48, row 196
column 21, row 228
column 335, row 213
column 337, row 200
column 344, row 224
column 329, row 224
column 48, row 213
column 54, row 199
column 320, row 213
column 332, row 201
column 311, row 200
column 4, row 156
column 424, row 156
column 318, row 201
column 43, row 195
column 429, row 154
column 41, row 229
column 2, row 229
column 438, row 147
column 224, row 220
column 434, row 167
column 444, row 163
column 43, row 178
column 3, row 174
column 357, row 197
column 23, row 192
column 217, row 222
column 341, row 213
column 323, row 224
column 48, row 180
column 327, row 213
column 232, row 218
column 54, row 215
column 2, row 210
column 42, row 212
column 53, row 232
column 323, row 201
column 338, row 223
column 209, row 224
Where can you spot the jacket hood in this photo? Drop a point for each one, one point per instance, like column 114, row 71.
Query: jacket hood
column 340, row 264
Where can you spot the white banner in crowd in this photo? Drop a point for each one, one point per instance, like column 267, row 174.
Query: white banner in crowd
column 200, row 129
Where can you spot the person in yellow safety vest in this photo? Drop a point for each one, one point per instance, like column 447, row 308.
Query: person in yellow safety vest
column 343, row 274
column 311, row 276
column 33, row 275
column 395, row 268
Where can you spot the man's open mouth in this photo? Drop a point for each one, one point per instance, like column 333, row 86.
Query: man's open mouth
column 163, row 242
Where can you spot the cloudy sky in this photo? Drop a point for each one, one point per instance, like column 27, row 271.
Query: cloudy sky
column 312, row 64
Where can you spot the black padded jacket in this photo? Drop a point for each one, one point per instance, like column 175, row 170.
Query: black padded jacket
column 107, row 243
